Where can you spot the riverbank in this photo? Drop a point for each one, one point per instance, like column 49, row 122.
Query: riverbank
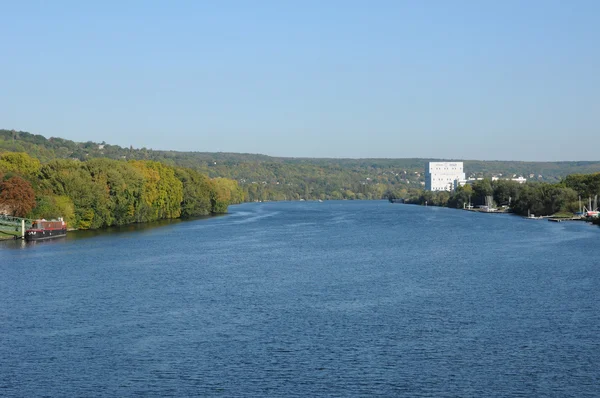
column 9, row 235
column 559, row 217
column 122, row 229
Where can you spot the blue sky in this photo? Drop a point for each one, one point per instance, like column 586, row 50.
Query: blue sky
column 513, row 80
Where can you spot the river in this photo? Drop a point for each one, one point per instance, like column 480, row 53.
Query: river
column 339, row 298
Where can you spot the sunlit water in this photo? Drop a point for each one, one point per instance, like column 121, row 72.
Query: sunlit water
column 307, row 299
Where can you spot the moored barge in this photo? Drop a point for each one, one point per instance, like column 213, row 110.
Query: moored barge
column 43, row 229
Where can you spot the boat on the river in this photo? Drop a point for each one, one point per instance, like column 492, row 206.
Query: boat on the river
column 43, row 229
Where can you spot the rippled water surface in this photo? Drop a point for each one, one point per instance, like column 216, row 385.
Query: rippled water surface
column 307, row 299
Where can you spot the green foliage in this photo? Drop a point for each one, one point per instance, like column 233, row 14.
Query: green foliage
column 89, row 195
column 121, row 184
column 162, row 192
column 20, row 163
column 429, row 198
column 50, row 206
column 104, row 192
column 544, row 199
column 481, row 189
column 541, row 199
column 136, row 185
column 505, row 192
column 461, row 197
column 586, row 185
column 223, row 192
column 196, row 193
column 274, row 178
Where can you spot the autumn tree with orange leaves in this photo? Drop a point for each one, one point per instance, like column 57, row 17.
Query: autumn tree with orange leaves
column 16, row 196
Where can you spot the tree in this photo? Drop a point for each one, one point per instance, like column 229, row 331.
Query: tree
column 220, row 195
column 88, row 193
column 441, row 198
column 505, row 191
column 17, row 196
column 19, row 162
column 460, row 197
column 586, row 185
column 50, row 206
column 196, row 193
column 544, row 199
column 481, row 189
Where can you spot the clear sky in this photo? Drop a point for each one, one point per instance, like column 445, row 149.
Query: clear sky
column 513, row 80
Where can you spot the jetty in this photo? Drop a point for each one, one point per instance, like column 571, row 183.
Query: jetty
column 561, row 219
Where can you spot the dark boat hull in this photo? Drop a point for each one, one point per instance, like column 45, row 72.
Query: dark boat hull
column 45, row 234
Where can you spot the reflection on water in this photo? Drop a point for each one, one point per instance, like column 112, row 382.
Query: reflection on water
column 138, row 227
column 13, row 244
column 92, row 233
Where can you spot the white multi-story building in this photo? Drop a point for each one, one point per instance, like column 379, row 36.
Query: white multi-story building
column 440, row 176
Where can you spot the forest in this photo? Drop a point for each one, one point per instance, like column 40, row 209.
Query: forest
column 97, row 184
column 105, row 192
column 265, row 178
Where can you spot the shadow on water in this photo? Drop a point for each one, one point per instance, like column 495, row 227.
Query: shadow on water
column 138, row 227
column 92, row 233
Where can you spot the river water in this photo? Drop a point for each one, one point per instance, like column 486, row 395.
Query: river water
column 306, row 299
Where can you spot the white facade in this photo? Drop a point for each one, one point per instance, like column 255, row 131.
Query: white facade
column 440, row 176
column 519, row 179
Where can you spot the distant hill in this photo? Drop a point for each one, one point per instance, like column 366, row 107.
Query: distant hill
column 280, row 178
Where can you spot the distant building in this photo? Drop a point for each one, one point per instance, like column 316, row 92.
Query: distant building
column 519, row 179
column 440, row 176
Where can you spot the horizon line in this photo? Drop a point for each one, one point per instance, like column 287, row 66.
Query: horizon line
column 311, row 157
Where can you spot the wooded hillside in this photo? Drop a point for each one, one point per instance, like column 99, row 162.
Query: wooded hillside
column 277, row 178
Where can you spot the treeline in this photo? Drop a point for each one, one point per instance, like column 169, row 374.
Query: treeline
column 263, row 178
column 277, row 178
column 539, row 198
column 103, row 192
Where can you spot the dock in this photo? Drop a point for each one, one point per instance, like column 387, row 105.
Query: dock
column 566, row 219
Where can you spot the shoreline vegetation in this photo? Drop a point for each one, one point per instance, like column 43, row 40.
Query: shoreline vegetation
column 95, row 185
column 101, row 193
column 562, row 200
column 269, row 178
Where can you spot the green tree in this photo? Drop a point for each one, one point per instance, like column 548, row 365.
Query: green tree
column 50, row 207
column 461, row 197
column 505, row 191
column 586, row 185
column 20, row 163
column 220, row 195
column 196, row 193
column 482, row 189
